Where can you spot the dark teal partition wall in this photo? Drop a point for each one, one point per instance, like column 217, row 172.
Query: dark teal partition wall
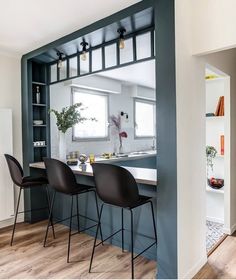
column 166, row 140
column 166, row 123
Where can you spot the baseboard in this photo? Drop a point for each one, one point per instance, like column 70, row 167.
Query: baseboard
column 10, row 221
column 215, row 220
column 230, row 230
column 195, row 269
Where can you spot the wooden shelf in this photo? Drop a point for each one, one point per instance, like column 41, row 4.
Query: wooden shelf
column 40, row 105
column 38, row 83
column 219, row 191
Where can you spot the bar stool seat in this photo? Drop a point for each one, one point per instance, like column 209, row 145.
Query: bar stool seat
column 25, row 182
column 62, row 180
column 117, row 187
column 30, row 181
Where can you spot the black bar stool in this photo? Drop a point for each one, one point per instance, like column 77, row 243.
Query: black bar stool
column 116, row 186
column 25, row 182
column 62, row 180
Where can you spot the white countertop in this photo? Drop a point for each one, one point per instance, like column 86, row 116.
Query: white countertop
column 142, row 175
column 130, row 156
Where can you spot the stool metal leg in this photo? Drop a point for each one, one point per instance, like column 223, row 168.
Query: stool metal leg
column 96, row 201
column 49, row 204
column 49, row 218
column 153, row 220
column 122, row 228
column 17, row 209
column 132, row 244
column 95, row 239
column 77, row 207
column 71, row 214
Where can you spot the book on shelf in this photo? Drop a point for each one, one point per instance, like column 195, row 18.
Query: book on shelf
column 220, row 111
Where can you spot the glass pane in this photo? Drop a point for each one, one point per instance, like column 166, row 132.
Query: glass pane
column 126, row 54
column 97, row 60
column 63, row 70
column 73, row 67
column 144, row 119
column 95, row 107
column 53, row 73
column 110, row 55
column 84, row 63
column 143, row 45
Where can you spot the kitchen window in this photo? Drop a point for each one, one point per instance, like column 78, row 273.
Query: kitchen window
column 144, row 118
column 96, row 106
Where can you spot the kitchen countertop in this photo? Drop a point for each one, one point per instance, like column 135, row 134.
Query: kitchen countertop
column 130, row 156
column 142, row 175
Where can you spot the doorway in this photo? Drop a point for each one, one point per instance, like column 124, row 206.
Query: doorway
column 217, row 156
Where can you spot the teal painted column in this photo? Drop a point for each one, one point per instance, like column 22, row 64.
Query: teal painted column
column 167, row 258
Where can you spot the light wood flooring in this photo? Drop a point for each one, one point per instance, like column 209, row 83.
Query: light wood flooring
column 222, row 262
column 28, row 259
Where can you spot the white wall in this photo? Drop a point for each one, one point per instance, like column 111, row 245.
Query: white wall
column 214, row 24
column 10, row 97
column 191, row 162
column 60, row 96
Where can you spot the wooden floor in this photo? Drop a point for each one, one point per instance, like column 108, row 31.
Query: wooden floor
column 222, row 262
column 28, row 259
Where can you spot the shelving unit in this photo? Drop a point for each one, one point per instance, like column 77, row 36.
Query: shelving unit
column 40, row 111
column 215, row 127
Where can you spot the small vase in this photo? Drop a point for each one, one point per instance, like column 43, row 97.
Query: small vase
column 62, row 146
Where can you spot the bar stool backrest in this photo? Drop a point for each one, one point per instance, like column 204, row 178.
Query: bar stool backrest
column 60, row 176
column 15, row 169
column 115, row 185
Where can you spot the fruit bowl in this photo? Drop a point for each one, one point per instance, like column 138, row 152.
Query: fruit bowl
column 215, row 183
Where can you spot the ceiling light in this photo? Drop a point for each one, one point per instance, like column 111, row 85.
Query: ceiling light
column 84, row 50
column 122, row 32
column 59, row 63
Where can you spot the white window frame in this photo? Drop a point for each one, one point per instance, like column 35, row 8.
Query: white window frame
column 95, row 92
column 152, row 102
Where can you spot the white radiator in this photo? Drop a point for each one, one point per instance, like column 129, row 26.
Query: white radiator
column 6, row 146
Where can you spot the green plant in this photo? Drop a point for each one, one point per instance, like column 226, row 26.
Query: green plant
column 210, row 154
column 69, row 116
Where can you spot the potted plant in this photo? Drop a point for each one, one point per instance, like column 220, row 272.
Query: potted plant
column 67, row 118
column 210, row 155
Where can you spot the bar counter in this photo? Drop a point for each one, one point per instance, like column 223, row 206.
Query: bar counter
column 111, row 220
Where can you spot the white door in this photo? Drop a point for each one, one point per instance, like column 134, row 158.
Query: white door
column 6, row 147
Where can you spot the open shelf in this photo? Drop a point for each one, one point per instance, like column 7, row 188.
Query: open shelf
column 38, row 83
column 219, row 191
column 39, row 125
column 36, row 147
column 215, row 117
column 40, row 105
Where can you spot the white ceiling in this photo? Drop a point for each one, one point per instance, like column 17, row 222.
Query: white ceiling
column 28, row 24
column 143, row 74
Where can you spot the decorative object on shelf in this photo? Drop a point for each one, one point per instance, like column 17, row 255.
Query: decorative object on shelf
column 39, row 143
column 84, row 45
column 60, row 57
column 211, row 77
column 37, row 95
column 67, row 118
column 222, row 145
column 116, row 123
column 210, row 155
column 210, row 115
column 83, row 158
column 220, row 111
column 38, row 122
column 215, row 183
column 121, row 32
